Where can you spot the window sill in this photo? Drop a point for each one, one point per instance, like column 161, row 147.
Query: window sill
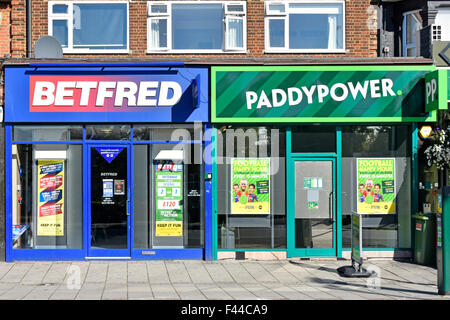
column 88, row 51
column 304, row 51
column 196, row 52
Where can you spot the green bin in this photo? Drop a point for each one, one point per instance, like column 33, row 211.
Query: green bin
column 425, row 239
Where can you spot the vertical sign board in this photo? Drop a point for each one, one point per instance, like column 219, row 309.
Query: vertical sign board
column 169, row 196
column 250, row 183
column 375, row 185
column 50, row 198
column 435, row 90
column 356, row 238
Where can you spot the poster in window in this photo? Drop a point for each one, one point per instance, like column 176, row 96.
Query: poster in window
column 50, row 221
column 376, row 185
column 250, row 183
column 169, row 196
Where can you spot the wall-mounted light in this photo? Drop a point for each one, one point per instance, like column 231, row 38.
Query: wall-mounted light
column 425, row 132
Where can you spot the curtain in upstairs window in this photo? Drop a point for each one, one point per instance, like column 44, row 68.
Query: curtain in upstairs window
column 235, row 36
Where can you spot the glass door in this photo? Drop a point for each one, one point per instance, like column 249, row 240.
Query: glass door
column 312, row 208
column 109, row 203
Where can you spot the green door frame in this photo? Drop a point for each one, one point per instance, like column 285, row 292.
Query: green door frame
column 336, row 158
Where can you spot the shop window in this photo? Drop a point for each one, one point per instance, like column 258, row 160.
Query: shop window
column 391, row 228
column 251, row 188
column 108, row 132
column 168, row 196
column 172, row 132
column 47, row 193
column 313, row 139
column 89, row 27
column 293, row 26
column 53, row 133
column 196, row 27
column 412, row 23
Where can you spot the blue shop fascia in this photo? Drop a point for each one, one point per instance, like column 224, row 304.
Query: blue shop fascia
column 107, row 161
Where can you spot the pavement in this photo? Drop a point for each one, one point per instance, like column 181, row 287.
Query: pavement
column 291, row 279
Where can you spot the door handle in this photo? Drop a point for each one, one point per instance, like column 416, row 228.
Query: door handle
column 128, row 207
column 331, row 206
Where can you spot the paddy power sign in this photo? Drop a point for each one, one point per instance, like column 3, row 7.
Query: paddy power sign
column 326, row 94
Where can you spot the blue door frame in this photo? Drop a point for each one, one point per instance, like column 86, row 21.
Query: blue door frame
column 292, row 251
column 102, row 253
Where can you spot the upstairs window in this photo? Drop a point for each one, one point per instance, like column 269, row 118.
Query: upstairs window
column 89, row 27
column 196, row 27
column 412, row 23
column 304, row 26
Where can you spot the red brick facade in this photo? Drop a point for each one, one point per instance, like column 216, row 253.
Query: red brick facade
column 360, row 17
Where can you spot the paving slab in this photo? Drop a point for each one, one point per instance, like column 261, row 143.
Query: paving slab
column 17, row 292
column 4, row 268
column 96, row 273
column 157, row 272
column 286, row 292
column 237, row 292
column 115, row 291
column 197, row 272
column 76, row 273
column 218, row 272
column 213, row 292
column 277, row 270
column 41, row 292
column 187, row 291
column 117, row 272
column 238, row 272
column 164, row 291
column 177, row 272
column 313, row 292
column 258, row 272
column 139, row 291
column 36, row 273
column 91, row 291
column 137, row 272
column 262, row 292
column 64, row 293
column 56, row 273
column 16, row 273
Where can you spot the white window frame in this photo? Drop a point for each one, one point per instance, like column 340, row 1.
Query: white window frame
column 269, row 15
column 227, row 14
column 69, row 18
column 406, row 46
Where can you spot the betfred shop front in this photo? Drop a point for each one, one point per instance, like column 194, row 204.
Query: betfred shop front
column 105, row 161
column 297, row 150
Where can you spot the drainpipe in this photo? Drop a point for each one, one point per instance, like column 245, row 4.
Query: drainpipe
column 29, row 29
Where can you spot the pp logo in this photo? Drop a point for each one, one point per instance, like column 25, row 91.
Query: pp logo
column 374, row 282
column 73, row 281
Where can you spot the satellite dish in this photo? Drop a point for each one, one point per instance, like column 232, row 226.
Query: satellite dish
column 48, row 47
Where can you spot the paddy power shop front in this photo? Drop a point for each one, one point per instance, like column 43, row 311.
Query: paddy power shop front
column 297, row 150
column 104, row 161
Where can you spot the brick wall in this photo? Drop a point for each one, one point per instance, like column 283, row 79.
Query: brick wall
column 361, row 31
column 5, row 28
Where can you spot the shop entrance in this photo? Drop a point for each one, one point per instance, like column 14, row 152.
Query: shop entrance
column 109, row 203
column 312, row 211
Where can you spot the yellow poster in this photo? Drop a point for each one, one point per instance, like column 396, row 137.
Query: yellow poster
column 51, row 198
column 169, row 229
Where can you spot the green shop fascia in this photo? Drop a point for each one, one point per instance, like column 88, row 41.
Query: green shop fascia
column 298, row 149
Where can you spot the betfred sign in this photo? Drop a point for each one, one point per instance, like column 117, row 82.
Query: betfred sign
column 101, row 93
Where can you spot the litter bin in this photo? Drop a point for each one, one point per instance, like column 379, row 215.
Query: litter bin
column 425, row 239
